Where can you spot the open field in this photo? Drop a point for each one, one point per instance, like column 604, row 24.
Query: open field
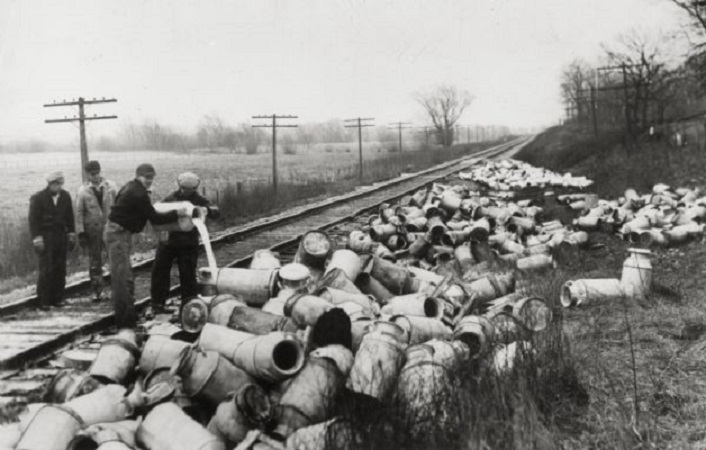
column 24, row 173
column 323, row 171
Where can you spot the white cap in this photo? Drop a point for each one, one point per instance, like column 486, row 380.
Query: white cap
column 294, row 272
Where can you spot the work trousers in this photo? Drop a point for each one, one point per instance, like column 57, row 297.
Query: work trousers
column 187, row 259
column 122, row 282
column 51, row 281
column 96, row 244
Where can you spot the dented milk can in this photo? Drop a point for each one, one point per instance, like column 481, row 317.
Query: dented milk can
column 70, row 383
column 377, row 365
column 245, row 410
column 209, row 376
column 116, row 358
column 476, row 332
column 167, row 427
column 311, row 395
column 52, row 428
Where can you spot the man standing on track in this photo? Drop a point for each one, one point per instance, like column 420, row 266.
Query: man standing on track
column 51, row 224
column 93, row 202
column 180, row 245
column 129, row 215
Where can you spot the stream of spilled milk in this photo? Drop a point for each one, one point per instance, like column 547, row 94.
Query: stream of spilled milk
column 203, row 231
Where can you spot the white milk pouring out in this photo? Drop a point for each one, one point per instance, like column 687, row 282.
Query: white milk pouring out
column 203, row 232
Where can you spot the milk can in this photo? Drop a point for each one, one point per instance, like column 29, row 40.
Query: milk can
column 637, row 271
column 184, row 223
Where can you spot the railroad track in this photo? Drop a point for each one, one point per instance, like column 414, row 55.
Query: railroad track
column 28, row 335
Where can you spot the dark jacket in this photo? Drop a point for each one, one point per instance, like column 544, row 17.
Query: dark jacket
column 133, row 208
column 186, row 238
column 45, row 217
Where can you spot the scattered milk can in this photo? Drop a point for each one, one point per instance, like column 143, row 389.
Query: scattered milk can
column 305, row 309
column 337, row 279
column 348, row 261
column 377, row 365
column 426, row 395
column 70, row 383
column 464, row 257
column 106, row 436
column 476, row 332
column 246, row 410
column 311, row 395
column 253, row 286
column 637, row 271
column 106, row 404
column 587, row 291
column 421, row 329
column 209, row 376
column 492, row 286
column 314, row 249
column 536, row 262
column 264, row 260
column 160, row 352
column 116, row 358
column 337, row 297
column 395, row 278
column 194, row 314
column 370, row 286
column 420, row 304
column 52, row 428
column 271, row 357
column 227, row 310
column 167, row 427
column 335, row 433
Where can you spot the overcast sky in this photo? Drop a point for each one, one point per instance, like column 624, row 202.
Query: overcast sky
column 174, row 61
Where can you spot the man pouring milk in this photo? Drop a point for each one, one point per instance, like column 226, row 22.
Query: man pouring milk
column 181, row 246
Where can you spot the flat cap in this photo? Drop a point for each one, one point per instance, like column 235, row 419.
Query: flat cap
column 145, row 169
column 188, row 180
column 55, row 176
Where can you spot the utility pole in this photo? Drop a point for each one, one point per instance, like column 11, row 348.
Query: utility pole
column 400, row 126
column 81, row 119
column 468, row 134
column 274, row 127
column 360, row 125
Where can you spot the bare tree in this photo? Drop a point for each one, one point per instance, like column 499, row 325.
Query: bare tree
column 575, row 81
column 696, row 9
column 444, row 104
column 644, row 63
column 212, row 132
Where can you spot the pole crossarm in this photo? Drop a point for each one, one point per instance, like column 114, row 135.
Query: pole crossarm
column 274, row 125
column 81, row 119
column 358, row 123
column 93, row 101
column 78, row 119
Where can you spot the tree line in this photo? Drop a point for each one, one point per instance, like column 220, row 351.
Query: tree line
column 642, row 82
